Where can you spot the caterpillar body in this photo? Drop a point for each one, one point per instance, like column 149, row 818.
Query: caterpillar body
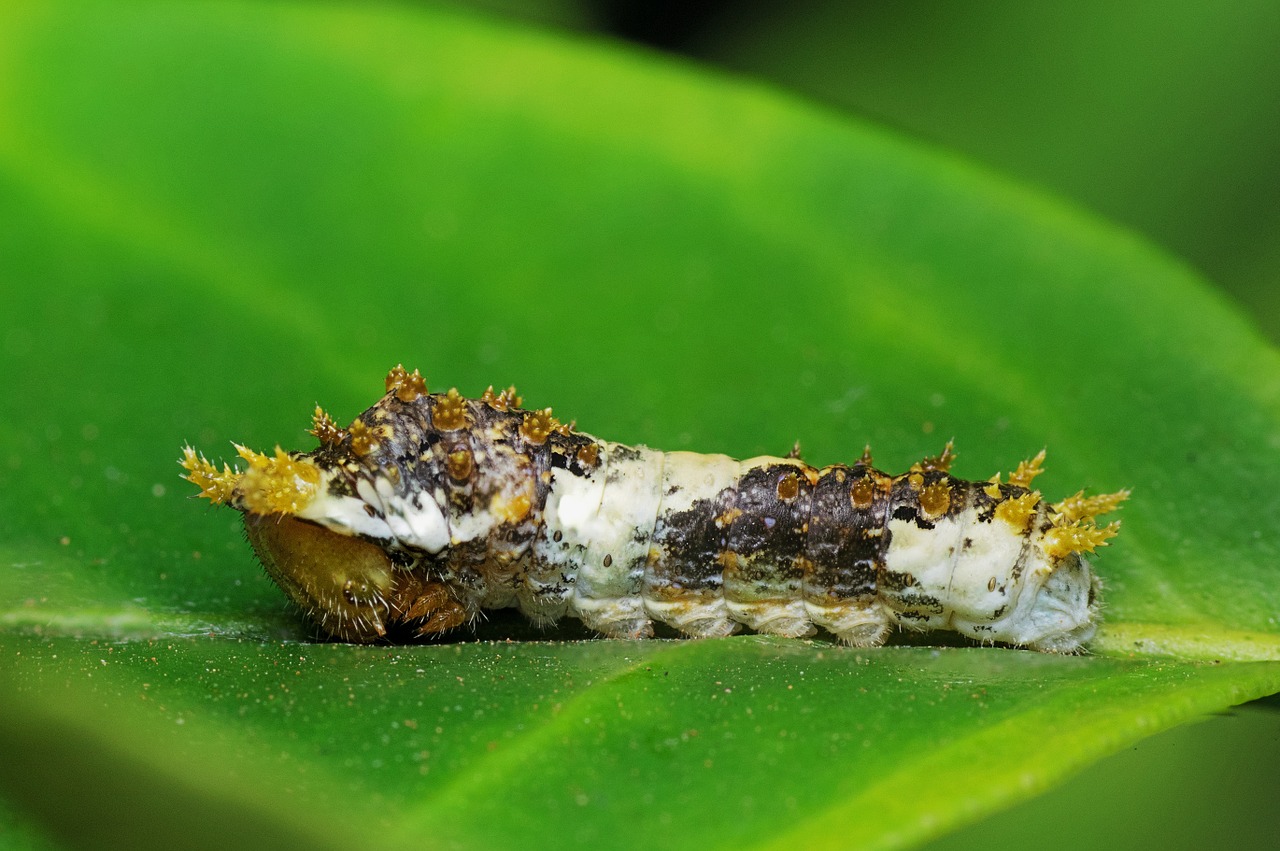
column 431, row 507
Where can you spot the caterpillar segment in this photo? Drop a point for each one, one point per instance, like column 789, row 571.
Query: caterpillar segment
column 429, row 508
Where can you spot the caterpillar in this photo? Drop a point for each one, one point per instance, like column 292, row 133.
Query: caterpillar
column 430, row 507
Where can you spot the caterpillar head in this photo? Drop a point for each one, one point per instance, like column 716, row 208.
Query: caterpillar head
column 322, row 550
column 346, row 585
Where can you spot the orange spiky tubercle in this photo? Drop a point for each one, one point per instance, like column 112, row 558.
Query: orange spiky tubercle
column 539, row 425
column 507, row 400
column 272, row 484
column 1017, row 511
column 1061, row 541
column 936, row 463
column 407, row 386
column 328, row 432
column 450, row 412
column 1021, row 477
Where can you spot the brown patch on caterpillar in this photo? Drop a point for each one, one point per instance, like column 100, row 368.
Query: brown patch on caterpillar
column 769, row 540
column 407, row 386
column 684, row 550
column 450, row 412
column 844, row 550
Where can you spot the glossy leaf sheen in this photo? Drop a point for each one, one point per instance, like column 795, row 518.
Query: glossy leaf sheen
column 216, row 216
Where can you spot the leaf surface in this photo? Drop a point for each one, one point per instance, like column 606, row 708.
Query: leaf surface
column 216, row 216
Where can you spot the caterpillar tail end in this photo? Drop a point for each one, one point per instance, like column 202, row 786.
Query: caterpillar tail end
column 1075, row 528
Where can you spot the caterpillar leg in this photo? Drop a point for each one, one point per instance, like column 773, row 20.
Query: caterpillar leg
column 855, row 622
column 622, row 617
column 787, row 618
column 431, row 604
column 696, row 615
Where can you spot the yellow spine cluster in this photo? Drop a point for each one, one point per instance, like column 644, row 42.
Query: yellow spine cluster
column 276, row 484
column 215, row 485
column 1081, row 537
column 1075, row 528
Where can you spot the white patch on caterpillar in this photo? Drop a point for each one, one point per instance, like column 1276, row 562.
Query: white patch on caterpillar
column 928, row 555
column 346, row 515
column 607, row 597
column 1055, row 609
column 981, row 580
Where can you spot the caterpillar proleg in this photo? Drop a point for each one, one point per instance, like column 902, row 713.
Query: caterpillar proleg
column 430, row 507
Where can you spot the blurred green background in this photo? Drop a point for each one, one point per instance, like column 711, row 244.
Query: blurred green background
column 1161, row 116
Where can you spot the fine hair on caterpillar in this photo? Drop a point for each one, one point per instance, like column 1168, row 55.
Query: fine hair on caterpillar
column 431, row 507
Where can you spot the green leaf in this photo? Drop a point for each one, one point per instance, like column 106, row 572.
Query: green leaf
column 1154, row 113
column 215, row 216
